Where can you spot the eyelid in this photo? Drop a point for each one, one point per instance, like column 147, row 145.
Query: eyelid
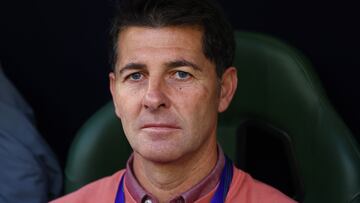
column 130, row 73
column 187, row 78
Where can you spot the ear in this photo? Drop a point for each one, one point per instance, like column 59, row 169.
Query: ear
column 228, row 88
column 112, row 84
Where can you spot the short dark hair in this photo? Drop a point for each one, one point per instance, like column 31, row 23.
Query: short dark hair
column 218, row 37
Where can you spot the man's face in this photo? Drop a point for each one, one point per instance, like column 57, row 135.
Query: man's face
column 165, row 92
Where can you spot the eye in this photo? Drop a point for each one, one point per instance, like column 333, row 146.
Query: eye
column 135, row 76
column 182, row 75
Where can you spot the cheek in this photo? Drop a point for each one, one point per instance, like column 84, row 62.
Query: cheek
column 197, row 103
column 126, row 101
column 127, row 115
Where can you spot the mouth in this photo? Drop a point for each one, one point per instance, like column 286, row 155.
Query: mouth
column 160, row 128
column 160, row 125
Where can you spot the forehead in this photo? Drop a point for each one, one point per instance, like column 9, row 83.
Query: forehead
column 186, row 34
column 187, row 39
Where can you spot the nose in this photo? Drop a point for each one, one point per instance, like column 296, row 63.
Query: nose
column 155, row 97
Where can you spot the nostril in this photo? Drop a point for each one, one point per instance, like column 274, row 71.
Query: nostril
column 154, row 100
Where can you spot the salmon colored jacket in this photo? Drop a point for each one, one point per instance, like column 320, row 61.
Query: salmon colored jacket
column 243, row 188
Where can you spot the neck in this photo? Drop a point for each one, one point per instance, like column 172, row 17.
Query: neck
column 167, row 180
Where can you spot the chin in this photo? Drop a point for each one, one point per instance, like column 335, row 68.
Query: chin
column 160, row 159
column 161, row 154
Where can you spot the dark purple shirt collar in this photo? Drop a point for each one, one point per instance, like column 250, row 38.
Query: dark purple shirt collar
column 197, row 191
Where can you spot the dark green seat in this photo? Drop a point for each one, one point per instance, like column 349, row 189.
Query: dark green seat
column 276, row 87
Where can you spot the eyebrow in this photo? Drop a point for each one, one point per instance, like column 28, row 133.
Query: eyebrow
column 170, row 65
column 182, row 62
column 132, row 66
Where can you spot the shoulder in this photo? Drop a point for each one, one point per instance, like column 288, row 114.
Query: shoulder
column 244, row 188
column 15, row 124
column 23, row 145
column 10, row 96
column 27, row 162
column 21, row 141
column 17, row 143
column 102, row 190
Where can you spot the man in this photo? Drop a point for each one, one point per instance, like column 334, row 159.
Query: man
column 29, row 171
column 172, row 76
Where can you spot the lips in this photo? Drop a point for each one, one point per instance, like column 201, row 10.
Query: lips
column 160, row 126
column 159, row 130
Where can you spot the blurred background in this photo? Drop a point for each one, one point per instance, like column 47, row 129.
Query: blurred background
column 56, row 53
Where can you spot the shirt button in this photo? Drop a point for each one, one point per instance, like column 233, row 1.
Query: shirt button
column 148, row 201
